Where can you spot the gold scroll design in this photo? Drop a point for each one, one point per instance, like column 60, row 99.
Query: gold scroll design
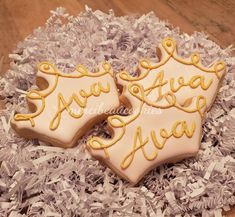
column 47, row 68
column 170, row 47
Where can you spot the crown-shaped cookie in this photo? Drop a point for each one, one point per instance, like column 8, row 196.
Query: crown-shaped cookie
column 67, row 105
column 185, row 78
column 168, row 100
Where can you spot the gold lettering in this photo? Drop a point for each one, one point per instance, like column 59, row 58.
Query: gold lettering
column 95, row 90
column 194, row 82
column 179, row 128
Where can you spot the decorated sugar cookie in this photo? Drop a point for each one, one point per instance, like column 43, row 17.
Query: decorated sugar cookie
column 67, row 105
column 168, row 100
column 184, row 78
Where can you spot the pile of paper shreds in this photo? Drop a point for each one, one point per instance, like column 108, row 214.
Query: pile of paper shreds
column 40, row 180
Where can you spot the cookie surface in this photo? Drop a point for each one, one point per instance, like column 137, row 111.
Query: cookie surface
column 168, row 101
column 67, row 105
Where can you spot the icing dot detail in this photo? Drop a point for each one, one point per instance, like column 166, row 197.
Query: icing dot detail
column 135, row 89
column 46, row 67
column 168, row 44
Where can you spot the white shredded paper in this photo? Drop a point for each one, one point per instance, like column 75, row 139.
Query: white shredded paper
column 39, row 180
